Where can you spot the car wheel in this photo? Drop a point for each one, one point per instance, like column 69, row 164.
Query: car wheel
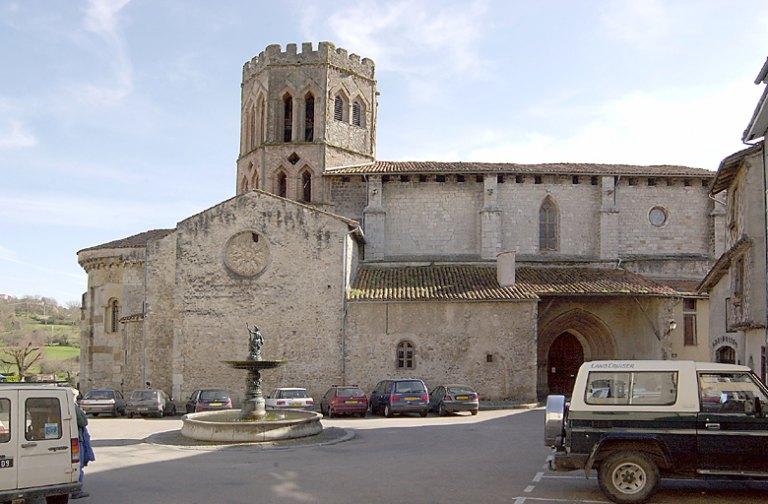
column 130, row 415
column 628, row 477
column 423, row 414
column 362, row 415
column 387, row 412
column 115, row 412
column 441, row 410
column 57, row 499
column 474, row 412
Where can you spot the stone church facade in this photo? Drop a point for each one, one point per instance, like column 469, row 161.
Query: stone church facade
column 504, row 276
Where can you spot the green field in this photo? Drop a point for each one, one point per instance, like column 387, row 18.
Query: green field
column 60, row 352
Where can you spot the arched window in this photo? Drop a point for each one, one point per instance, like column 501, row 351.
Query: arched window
column 338, row 108
column 726, row 355
column 287, row 118
column 306, row 186
column 254, row 128
column 281, row 184
column 244, row 184
column 113, row 316
column 357, row 113
column 309, row 118
column 255, row 180
column 548, row 225
column 405, row 358
column 262, row 125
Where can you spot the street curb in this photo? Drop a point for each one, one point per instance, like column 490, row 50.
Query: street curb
column 265, row 446
column 509, row 406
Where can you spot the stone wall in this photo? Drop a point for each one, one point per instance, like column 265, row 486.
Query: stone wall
column 348, row 196
column 297, row 299
column 451, row 340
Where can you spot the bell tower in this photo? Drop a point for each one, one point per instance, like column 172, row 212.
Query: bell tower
column 301, row 114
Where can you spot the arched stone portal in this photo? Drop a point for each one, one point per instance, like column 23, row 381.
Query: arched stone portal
column 559, row 335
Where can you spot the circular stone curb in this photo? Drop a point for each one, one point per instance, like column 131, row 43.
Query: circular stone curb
column 174, row 439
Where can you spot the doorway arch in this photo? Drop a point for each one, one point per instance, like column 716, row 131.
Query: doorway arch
column 565, row 356
column 593, row 334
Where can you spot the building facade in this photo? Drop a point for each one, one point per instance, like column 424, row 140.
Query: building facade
column 505, row 276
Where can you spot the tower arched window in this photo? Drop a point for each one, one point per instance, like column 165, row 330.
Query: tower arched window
column 244, row 184
column 338, row 108
column 281, row 185
column 548, row 225
column 254, row 129
column 309, row 117
column 113, row 316
column 726, row 355
column 306, row 186
column 262, row 124
column 287, row 118
column 255, row 180
column 405, row 355
column 357, row 113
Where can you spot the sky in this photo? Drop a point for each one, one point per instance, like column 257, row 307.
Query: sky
column 122, row 116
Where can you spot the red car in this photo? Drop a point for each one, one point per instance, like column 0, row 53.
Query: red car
column 344, row 400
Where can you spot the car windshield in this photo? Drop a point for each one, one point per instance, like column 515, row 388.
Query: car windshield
column 410, row 387
column 460, row 390
column 143, row 395
column 292, row 394
column 349, row 392
column 214, row 395
column 99, row 394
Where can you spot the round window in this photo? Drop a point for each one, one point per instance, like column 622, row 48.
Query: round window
column 246, row 253
column 657, row 216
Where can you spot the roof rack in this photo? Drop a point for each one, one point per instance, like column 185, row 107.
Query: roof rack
column 31, row 383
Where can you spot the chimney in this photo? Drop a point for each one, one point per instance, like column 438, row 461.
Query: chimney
column 505, row 268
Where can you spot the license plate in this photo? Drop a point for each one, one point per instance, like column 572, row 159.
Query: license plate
column 143, row 409
column 5, row 463
column 215, row 404
column 350, row 402
column 411, row 398
column 462, row 397
column 296, row 403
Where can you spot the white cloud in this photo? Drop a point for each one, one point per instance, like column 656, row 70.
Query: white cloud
column 16, row 136
column 101, row 19
column 694, row 127
column 421, row 40
column 640, row 23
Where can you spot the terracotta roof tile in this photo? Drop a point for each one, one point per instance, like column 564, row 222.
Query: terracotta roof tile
column 478, row 283
column 394, row 167
column 135, row 241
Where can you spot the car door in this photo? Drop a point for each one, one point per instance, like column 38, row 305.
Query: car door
column 731, row 436
column 9, row 426
column 44, row 441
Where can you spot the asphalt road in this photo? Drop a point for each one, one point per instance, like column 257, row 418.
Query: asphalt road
column 494, row 457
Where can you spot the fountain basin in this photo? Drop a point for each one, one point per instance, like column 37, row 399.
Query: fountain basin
column 226, row 426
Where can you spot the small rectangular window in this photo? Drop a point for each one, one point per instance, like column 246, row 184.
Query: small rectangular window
column 689, row 329
column 575, row 179
column 459, row 178
column 422, row 178
column 42, row 418
column 489, row 357
column 440, row 178
column 405, row 178
column 642, row 388
column 687, row 182
column 631, row 181
column 593, row 180
column 5, row 420
column 385, row 178
column 651, row 181
column 704, row 183
column 537, row 179
column 479, row 179
column 344, row 180
column 519, row 179
column 499, row 179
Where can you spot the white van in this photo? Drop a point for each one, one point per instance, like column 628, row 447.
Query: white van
column 39, row 448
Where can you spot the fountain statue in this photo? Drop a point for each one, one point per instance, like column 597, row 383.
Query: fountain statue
column 253, row 422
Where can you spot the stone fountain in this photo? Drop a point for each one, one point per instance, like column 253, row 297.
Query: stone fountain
column 252, row 423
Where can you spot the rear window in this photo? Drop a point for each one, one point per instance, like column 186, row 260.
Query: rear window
column 349, row 392
column 410, row 387
column 292, row 394
column 460, row 390
column 644, row 388
column 99, row 394
column 214, row 395
column 5, row 420
column 143, row 395
column 42, row 418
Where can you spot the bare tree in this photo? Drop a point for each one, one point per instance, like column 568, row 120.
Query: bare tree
column 23, row 355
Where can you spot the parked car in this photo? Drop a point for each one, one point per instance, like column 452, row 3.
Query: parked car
column 150, row 402
column 39, row 447
column 344, row 400
column 105, row 400
column 399, row 396
column 208, row 400
column 636, row 422
column 289, row 397
column 447, row 399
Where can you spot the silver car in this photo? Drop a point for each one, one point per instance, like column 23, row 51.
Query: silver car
column 104, row 400
column 151, row 403
column 290, row 398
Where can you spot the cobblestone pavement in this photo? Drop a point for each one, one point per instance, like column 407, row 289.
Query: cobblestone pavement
column 496, row 456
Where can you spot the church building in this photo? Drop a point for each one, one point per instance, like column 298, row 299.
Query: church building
column 503, row 276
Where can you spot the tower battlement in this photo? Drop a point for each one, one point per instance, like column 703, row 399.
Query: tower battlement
column 326, row 53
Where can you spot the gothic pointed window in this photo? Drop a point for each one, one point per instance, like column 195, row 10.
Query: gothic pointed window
column 338, row 108
column 405, row 355
column 254, row 128
column 548, row 225
column 282, row 185
column 244, row 184
column 255, row 180
column 262, row 124
column 309, row 118
column 287, row 118
column 306, row 186
column 357, row 114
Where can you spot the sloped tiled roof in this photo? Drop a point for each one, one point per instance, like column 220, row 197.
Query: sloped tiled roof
column 404, row 167
column 135, row 241
column 729, row 168
column 478, row 283
column 723, row 263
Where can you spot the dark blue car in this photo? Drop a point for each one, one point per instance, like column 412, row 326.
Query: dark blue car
column 399, row 396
